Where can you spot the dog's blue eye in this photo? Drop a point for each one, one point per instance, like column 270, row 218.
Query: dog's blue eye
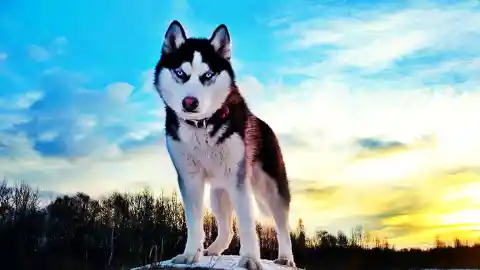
column 179, row 72
column 208, row 74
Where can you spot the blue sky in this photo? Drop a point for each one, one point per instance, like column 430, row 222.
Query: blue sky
column 362, row 94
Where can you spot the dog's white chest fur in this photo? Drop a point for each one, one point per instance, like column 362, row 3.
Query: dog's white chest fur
column 219, row 161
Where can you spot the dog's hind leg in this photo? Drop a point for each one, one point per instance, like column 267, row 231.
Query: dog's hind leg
column 280, row 212
column 268, row 196
column 223, row 211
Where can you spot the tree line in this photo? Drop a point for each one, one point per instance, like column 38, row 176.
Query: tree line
column 122, row 231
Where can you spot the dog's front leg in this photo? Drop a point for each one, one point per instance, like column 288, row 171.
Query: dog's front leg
column 192, row 191
column 242, row 198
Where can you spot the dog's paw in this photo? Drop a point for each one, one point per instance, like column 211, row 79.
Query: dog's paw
column 284, row 261
column 207, row 252
column 216, row 248
column 186, row 258
column 250, row 263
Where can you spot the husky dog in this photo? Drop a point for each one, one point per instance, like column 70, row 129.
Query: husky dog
column 212, row 137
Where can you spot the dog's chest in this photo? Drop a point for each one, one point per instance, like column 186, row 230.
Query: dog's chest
column 218, row 160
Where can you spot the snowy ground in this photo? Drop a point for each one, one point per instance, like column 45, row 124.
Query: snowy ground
column 226, row 262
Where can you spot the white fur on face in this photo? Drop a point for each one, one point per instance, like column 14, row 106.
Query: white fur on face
column 210, row 97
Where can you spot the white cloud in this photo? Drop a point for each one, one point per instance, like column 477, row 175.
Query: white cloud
column 47, row 136
column 468, row 67
column 28, row 99
column 21, row 101
column 38, row 53
column 105, row 170
column 8, row 120
column 120, row 91
column 81, row 138
column 330, row 117
column 375, row 40
column 3, row 56
column 383, row 51
column 15, row 146
column 250, row 87
column 333, row 108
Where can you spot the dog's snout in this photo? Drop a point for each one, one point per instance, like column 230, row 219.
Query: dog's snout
column 190, row 104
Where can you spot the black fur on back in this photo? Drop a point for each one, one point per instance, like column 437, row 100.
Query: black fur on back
column 271, row 159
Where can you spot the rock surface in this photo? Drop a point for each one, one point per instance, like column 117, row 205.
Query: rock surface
column 226, row 262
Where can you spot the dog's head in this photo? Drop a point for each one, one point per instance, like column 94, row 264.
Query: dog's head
column 194, row 75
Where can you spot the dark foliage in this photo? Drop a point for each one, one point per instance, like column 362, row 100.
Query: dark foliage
column 127, row 230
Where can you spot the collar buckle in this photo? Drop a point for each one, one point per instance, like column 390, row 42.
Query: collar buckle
column 197, row 123
column 202, row 123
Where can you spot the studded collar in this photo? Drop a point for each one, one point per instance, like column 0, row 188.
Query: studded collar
column 223, row 113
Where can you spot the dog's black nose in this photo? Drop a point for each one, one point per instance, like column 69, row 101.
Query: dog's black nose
column 190, row 104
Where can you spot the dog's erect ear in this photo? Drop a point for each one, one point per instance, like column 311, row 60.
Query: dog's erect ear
column 174, row 37
column 220, row 41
